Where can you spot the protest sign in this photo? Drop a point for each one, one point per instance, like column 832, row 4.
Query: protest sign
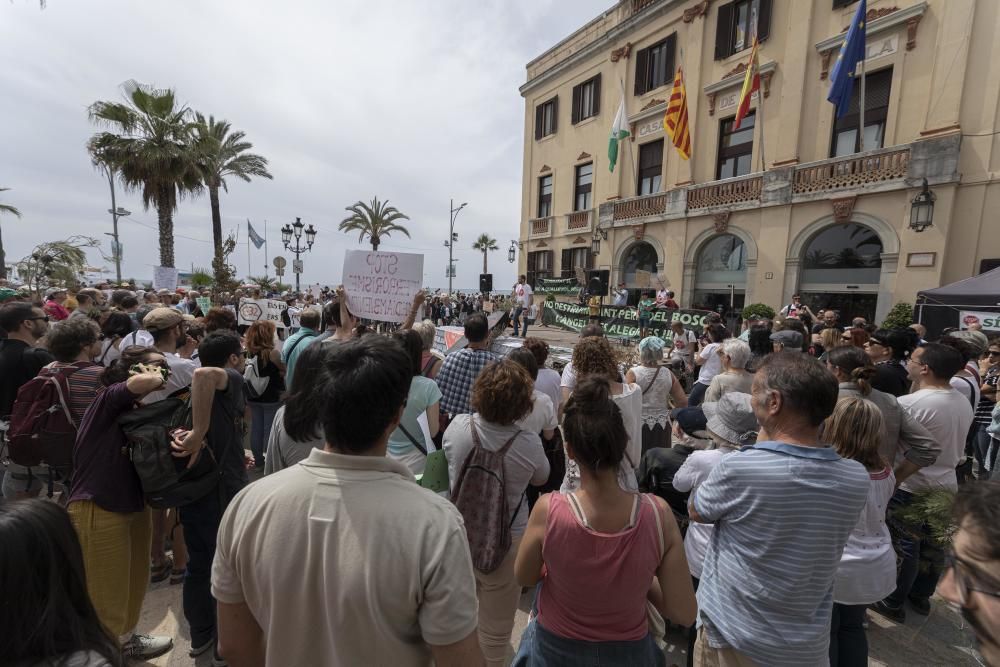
column 252, row 310
column 988, row 321
column 381, row 285
column 204, row 303
column 622, row 322
column 164, row 277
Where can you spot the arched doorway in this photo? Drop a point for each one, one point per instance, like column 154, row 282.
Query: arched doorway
column 721, row 274
column 640, row 256
column 841, row 269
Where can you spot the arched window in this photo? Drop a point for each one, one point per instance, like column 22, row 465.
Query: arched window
column 640, row 257
column 721, row 272
column 843, row 254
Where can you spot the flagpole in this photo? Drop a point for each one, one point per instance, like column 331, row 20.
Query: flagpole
column 266, row 271
column 861, row 107
column 248, row 249
column 635, row 169
column 760, row 120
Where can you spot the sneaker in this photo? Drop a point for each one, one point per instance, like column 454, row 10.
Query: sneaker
column 201, row 648
column 897, row 614
column 217, row 660
column 920, row 605
column 146, row 646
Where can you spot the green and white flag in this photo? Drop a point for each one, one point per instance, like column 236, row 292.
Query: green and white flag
column 618, row 132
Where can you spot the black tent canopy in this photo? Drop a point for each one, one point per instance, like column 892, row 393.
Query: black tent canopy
column 939, row 308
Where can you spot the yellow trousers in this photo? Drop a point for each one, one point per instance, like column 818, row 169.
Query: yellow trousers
column 116, row 560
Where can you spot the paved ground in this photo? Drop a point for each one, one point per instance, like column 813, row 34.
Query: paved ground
column 939, row 639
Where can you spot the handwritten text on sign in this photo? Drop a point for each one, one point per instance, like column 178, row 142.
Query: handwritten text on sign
column 380, row 285
column 252, row 310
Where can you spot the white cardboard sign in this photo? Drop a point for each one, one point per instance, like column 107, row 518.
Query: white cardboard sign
column 164, row 277
column 252, row 310
column 381, row 285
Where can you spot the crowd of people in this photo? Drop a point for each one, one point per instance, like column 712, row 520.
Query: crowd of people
column 764, row 489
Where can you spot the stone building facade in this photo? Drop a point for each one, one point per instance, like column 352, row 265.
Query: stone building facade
column 792, row 202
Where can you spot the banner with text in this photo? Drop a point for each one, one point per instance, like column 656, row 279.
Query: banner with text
column 622, row 322
column 987, row 320
column 381, row 285
column 252, row 310
column 165, row 277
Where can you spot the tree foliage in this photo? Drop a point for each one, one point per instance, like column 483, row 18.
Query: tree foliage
column 56, row 262
column 224, row 272
column 376, row 220
column 9, row 210
column 201, row 278
column 758, row 310
column 900, row 317
column 484, row 244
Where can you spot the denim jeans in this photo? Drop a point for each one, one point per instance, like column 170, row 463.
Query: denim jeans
column 541, row 648
column 982, row 448
column 848, row 641
column 261, row 418
column 697, row 394
column 920, row 559
column 201, row 525
column 518, row 312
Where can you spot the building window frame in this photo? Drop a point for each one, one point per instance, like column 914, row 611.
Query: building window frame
column 649, row 179
column 583, row 187
column 737, row 22
column 735, row 152
column 586, row 99
column 546, row 184
column 547, row 118
column 876, row 117
column 571, row 259
column 655, row 65
column 539, row 265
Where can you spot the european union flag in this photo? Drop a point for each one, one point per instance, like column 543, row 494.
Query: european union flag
column 852, row 51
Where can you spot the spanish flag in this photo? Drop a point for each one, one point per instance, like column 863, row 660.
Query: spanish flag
column 675, row 122
column 751, row 84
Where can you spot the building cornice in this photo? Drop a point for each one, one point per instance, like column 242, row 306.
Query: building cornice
column 736, row 78
column 602, row 42
column 882, row 24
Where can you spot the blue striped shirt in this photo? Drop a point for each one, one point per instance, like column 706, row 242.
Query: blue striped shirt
column 782, row 515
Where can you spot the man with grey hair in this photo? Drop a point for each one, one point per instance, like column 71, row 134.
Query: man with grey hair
column 783, row 510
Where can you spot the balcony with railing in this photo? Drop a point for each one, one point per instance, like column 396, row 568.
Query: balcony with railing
column 541, row 228
column 640, row 207
column 729, row 192
column 579, row 222
column 861, row 170
column 639, row 5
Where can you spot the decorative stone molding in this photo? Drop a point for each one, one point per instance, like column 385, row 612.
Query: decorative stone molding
column 652, row 103
column 955, row 127
column 638, row 231
column 545, row 168
column 623, row 52
column 765, row 83
column 721, row 221
column 578, row 240
column 700, row 9
column 843, row 208
column 874, row 14
column 734, row 78
column 541, row 244
column 825, row 58
column 711, row 104
column 785, row 163
column 584, row 156
column 911, row 32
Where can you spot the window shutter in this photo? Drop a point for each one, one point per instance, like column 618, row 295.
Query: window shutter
column 724, row 32
column 567, row 263
column 837, row 4
column 764, row 20
column 532, row 261
column 555, row 114
column 671, row 57
column 641, row 58
column 538, row 121
column 597, row 95
column 576, row 104
column 548, row 260
column 589, row 260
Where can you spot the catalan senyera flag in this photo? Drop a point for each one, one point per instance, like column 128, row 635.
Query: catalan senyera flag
column 675, row 121
column 751, row 84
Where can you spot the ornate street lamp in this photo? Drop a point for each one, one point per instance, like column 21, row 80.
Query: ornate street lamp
column 295, row 229
column 922, row 209
column 512, row 252
column 595, row 242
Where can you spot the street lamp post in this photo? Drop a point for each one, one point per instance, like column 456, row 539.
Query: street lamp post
column 116, row 212
column 452, row 237
column 295, row 230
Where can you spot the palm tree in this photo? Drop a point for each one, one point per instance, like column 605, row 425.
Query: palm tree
column 375, row 220
column 221, row 153
column 484, row 244
column 5, row 208
column 152, row 148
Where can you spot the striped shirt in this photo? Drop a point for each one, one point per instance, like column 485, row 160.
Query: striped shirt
column 84, row 384
column 782, row 515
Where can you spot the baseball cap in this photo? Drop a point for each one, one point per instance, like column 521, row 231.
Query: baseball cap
column 787, row 337
column 732, row 418
column 7, row 293
column 54, row 290
column 164, row 292
column 160, row 319
column 976, row 339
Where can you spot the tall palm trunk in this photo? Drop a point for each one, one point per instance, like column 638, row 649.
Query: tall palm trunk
column 375, row 241
column 3, row 262
column 166, row 224
column 484, row 262
column 213, row 198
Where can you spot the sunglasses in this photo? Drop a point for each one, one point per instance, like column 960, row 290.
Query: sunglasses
column 994, row 353
column 44, row 317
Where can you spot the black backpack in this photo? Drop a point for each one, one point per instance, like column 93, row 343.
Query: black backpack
column 166, row 480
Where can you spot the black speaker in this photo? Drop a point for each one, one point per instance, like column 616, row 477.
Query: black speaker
column 597, row 282
column 485, row 282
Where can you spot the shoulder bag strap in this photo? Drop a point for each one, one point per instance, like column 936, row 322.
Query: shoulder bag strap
column 659, row 524
column 296, row 344
column 972, row 392
column 429, row 365
column 650, row 385
column 106, row 350
column 414, row 441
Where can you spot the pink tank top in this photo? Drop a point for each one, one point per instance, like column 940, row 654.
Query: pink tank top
column 595, row 583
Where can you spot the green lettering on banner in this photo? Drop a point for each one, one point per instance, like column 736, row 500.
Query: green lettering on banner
column 621, row 321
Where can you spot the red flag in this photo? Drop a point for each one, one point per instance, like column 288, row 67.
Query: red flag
column 751, row 84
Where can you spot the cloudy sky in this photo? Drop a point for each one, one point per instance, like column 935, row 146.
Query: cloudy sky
column 414, row 101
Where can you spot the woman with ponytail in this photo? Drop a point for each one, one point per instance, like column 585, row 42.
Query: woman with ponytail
column 904, row 444
column 867, row 570
column 593, row 609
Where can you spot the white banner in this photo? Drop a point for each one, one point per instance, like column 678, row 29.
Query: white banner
column 989, row 321
column 381, row 285
column 252, row 310
column 164, row 277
